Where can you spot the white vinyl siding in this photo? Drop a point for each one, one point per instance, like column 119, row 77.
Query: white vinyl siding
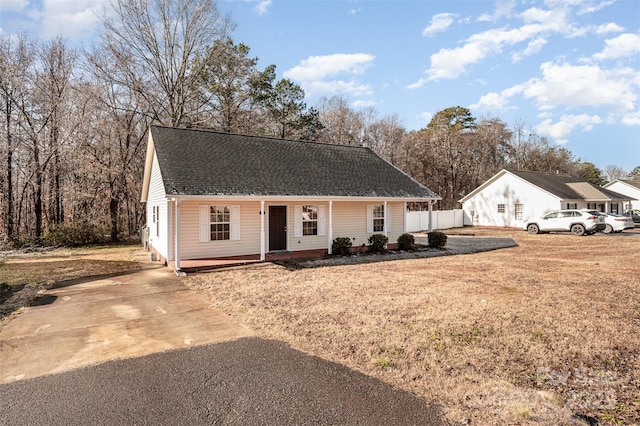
column 157, row 212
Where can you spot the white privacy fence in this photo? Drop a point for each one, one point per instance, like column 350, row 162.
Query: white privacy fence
column 442, row 219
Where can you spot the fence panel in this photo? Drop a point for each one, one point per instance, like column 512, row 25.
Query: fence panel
column 442, row 219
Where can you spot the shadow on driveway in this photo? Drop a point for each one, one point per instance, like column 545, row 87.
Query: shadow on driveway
column 250, row 381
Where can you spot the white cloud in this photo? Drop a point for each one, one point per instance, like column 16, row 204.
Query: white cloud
column 585, row 85
column 314, row 71
column 560, row 130
column 490, row 102
column 593, row 7
column 71, row 18
column 262, row 7
column 14, row 5
column 503, row 9
column 631, row 118
column 624, row 45
column 418, row 84
column 533, row 47
column 608, row 28
column 319, row 67
column 439, row 23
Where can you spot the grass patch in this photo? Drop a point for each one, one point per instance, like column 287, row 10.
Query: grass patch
column 481, row 334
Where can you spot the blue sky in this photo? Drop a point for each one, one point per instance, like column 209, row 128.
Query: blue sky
column 569, row 69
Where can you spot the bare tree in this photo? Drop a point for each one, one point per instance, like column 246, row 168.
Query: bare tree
column 158, row 41
column 16, row 56
column 614, row 172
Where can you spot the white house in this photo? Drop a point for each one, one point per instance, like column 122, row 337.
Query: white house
column 629, row 188
column 511, row 196
column 210, row 195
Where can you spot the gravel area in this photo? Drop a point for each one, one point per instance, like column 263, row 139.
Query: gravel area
column 456, row 244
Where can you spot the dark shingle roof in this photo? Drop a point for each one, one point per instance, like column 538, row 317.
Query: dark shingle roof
column 203, row 162
column 569, row 187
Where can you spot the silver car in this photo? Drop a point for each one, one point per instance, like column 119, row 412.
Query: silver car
column 575, row 221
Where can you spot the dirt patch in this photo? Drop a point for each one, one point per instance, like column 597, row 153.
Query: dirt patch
column 523, row 335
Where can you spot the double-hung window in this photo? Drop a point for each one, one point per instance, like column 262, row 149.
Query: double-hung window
column 309, row 220
column 519, row 209
column 377, row 218
column 219, row 223
column 501, row 208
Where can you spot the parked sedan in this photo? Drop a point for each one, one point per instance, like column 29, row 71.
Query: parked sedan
column 616, row 223
column 633, row 214
column 575, row 221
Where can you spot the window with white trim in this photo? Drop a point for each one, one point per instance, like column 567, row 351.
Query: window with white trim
column 572, row 205
column 156, row 219
column 501, row 208
column 309, row 220
column 219, row 223
column 378, row 218
column 519, row 209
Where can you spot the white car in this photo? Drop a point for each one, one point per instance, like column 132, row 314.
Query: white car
column 616, row 223
column 575, row 221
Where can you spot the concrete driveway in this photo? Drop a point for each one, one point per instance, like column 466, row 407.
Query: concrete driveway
column 93, row 320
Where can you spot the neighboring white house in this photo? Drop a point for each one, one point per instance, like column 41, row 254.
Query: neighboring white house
column 511, row 196
column 629, row 188
column 210, row 194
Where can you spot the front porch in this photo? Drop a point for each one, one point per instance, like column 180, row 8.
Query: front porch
column 197, row 265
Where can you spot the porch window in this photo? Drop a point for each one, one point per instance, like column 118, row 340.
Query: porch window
column 309, row 220
column 501, row 208
column 592, row 206
column 519, row 208
column 572, row 205
column 614, row 208
column 219, row 223
column 220, row 219
column 377, row 218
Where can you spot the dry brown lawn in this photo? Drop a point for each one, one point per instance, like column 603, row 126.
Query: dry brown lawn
column 24, row 275
column 544, row 333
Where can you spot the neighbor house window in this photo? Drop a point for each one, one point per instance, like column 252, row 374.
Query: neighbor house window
column 309, row 220
column 220, row 222
column 378, row 218
column 592, row 206
column 519, row 208
column 572, row 205
column 501, row 208
column 614, row 208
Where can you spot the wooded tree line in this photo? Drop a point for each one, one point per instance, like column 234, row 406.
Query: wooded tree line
column 74, row 120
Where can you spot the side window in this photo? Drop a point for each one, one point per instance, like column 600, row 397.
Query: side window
column 551, row 215
column 376, row 217
column 519, row 209
column 501, row 208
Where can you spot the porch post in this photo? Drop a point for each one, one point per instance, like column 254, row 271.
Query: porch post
column 262, row 242
column 430, row 228
column 177, row 236
column 386, row 215
column 330, row 233
column 404, row 216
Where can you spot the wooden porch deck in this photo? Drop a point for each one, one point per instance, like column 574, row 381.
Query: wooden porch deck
column 197, row 265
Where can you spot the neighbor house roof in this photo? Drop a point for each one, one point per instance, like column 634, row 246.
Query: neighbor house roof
column 565, row 187
column 204, row 162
